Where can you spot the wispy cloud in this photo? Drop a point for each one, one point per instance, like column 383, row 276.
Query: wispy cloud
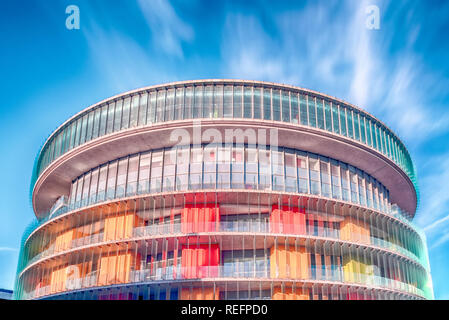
column 8, row 249
column 326, row 46
column 169, row 31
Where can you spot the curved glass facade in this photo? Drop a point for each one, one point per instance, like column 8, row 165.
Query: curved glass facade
column 237, row 167
column 222, row 221
column 262, row 237
column 224, row 100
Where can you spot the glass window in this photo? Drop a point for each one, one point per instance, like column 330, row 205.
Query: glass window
column 328, row 116
column 110, row 118
column 343, row 121
column 276, row 105
column 208, row 102
column 143, row 102
column 227, row 102
column 93, row 186
column 285, row 106
column 257, row 103
column 170, row 105
column 198, row 103
column 238, row 101
column 90, row 124
column 133, row 167
column 179, row 103
column 83, row 131
column 335, row 119
column 196, row 168
column 294, row 107
column 96, row 128
column 335, row 176
column 350, row 124
column 311, row 110
column 121, row 178
column 314, row 169
column 144, row 173
column 247, row 102
column 278, row 170
column 362, row 130
column 160, row 106
column 369, row 139
column 303, row 110
column 267, row 104
column 134, row 113
column 320, row 113
column 210, row 157
column 325, row 179
column 251, row 179
column 156, row 171
column 66, row 140
column 78, row 134
column 356, row 126
column 102, row 183
column 237, row 168
column 188, row 103
column 118, row 115
column 264, row 169
column 151, row 117
column 344, row 182
column 182, row 168
column 72, row 137
column 112, row 175
column 224, row 168
column 218, row 101
column 290, row 172
column 79, row 190
column 126, row 113
column 169, row 170
column 85, row 193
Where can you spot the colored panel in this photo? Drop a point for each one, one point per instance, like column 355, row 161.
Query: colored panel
column 354, row 230
column 197, row 260
column 202, row 218
column 64, row 241
column 289, row 294
column 118, row 227
column 200, row 294
column 287, row 220
column 291, row 263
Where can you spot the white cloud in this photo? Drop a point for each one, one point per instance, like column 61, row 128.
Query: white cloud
column 122, row 63
column 8, row 249
column 168, row 30
column 327, row 47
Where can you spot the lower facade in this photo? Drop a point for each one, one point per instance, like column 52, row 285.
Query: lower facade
column 225, row 245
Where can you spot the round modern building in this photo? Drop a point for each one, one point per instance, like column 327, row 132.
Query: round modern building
column 223, row 189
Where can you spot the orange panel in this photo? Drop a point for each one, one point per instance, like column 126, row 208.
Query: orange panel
column 291, row 263
column 118, row 227
column 200, row 294
column 354, row 230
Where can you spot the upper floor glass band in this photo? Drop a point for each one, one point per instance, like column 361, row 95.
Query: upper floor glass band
column 224, row 99
column 232, row 167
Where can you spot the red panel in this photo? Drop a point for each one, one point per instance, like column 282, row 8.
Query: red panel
column 201, row 218
column 286, row 220
column 196, row 261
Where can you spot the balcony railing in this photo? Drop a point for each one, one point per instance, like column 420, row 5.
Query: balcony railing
column 173, row 273
column 255, row 227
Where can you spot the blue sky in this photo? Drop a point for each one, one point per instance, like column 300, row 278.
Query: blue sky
column 399, row 73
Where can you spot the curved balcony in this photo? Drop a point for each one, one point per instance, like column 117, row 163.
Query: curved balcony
column 223, row 228
column 179, row 275
column 396, row 218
